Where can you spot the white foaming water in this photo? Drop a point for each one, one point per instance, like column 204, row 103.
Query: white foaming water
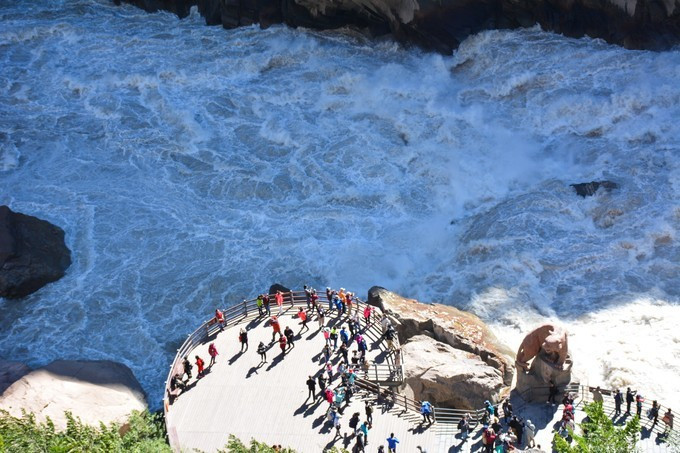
column 192, row 166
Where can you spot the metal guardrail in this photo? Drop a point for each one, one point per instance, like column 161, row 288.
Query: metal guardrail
column 391, row 373
column 586, row 394
column 388, row 395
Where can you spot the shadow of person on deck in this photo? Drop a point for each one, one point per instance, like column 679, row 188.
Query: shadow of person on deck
column 319, row 420
column 313, row 334
column 276, row 361
column 311, row 409
column 253, row 370
column 255, row 322
column 235, row 357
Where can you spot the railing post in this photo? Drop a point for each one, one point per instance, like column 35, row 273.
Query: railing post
column 292, row 299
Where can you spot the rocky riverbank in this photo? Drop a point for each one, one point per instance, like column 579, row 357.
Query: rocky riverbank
column 451, row 357
column 443, row 25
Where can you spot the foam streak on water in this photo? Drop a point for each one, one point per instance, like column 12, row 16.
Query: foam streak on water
column 191, row 165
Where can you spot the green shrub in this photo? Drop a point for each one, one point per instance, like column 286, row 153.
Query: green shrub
column 600, row 435
column 146, row 433
column 235, row 445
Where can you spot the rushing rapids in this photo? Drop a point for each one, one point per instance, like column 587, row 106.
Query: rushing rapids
column 190, row 165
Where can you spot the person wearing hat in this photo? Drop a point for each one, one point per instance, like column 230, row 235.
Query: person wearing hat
column 464, row 427
column 530, row 431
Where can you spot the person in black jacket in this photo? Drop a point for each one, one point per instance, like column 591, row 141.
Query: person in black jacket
column 311, row 385
column 630, row 397
column 187, row 367
column 618, row 401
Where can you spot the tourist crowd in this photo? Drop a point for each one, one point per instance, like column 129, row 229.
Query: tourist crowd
column 343, row 358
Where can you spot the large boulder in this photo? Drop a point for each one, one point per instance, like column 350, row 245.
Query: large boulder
column 449, row 377
column 32, row 253
column 459, row 329
column 444, row 24
column 278, row 287
column 92, row 390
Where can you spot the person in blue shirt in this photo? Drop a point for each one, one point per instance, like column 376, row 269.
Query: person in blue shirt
column 344, row 336
column 392, row 443
column 365, row 426
column 489, row 408
column 426, row 411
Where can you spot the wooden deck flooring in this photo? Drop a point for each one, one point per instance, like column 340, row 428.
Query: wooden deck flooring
column 268, row 402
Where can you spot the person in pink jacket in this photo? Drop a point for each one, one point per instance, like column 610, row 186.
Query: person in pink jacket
column 212, row 350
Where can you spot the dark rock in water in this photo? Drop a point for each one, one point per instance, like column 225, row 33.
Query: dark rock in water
column 32, row 253
column 443, row 24
column 277, row 287
column 374, row 297
column 586, row 189
column 179, row 7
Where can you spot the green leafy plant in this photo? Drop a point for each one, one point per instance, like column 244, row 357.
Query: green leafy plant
column 235, row 445
column 144, row 432
column 600, row 435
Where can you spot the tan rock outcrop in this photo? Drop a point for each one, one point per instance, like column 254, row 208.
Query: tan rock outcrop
column 457, row 328
column 92, row 390
column 448, row 377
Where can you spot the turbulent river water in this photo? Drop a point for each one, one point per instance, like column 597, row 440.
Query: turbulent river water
column 192, row 166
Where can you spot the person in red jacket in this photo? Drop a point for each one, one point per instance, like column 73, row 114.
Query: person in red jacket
column 200, row 364
column 276, row 327
column 279, row 301
column 282, row 344
column 302, row 314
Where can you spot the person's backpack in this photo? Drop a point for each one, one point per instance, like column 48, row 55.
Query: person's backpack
column 461, row 424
